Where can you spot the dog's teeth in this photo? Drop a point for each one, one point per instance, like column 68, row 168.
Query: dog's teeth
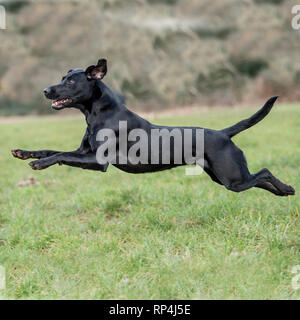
column 61, row 102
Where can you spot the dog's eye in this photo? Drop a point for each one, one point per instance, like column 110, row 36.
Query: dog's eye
column 70, row 81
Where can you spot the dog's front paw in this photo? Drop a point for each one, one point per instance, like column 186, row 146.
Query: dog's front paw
column 38, row 165
column 21, row 154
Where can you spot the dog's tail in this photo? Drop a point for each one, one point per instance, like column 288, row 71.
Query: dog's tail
column 247, row 123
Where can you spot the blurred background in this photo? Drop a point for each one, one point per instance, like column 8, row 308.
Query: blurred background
column 162, row 54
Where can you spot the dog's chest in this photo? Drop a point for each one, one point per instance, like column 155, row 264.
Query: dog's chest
column 90, row 137
column 92, row 132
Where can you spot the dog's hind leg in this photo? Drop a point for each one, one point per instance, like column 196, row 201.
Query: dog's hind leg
column 264, row 178
column 208, row 170
column 229, row 166
column 269, row 187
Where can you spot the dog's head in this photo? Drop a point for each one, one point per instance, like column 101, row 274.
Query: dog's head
column 76, row 87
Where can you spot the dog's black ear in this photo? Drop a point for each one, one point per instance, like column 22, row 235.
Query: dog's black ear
column 98, row 71
column 70, row 70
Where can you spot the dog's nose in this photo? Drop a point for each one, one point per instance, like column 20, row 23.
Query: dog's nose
column 47, row 91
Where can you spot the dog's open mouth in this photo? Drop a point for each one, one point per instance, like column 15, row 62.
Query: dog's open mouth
column 58, row 104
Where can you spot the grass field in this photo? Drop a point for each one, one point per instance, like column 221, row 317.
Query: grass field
column 89, row 235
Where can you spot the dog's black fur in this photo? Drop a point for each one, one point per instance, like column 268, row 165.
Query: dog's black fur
column 224, row 161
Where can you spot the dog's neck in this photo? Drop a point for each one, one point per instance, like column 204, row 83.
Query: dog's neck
column 103, row 100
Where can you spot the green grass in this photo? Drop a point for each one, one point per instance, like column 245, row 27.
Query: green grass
column 164, row 235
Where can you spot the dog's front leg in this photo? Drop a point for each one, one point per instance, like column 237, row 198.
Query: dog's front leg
column 37, row 154
column 40, row 154
column 74, row 159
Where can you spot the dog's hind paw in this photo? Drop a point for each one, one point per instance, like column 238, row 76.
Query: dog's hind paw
column 290, row 191
column 287, row 191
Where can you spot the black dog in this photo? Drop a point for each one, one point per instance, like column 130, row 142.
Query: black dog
column 224, row 162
